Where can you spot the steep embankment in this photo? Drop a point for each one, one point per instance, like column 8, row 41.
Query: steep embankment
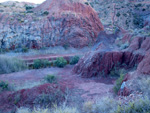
column 99, row 62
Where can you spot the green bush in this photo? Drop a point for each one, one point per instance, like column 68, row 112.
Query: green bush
column 116, row 72
column 66, row 46
column 74, row 60
column 37, row 64
column 138, row 21
column 28, row 7
column 118, row 14
column 3, row 85
column 118, row 83
column 60, row 62
column 25, row 50
column 86, row 3
column 41, row 64
column 9, row 65
column 45, row 13
column 51, row 78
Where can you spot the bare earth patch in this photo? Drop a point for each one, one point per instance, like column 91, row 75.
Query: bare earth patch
column 90, row 88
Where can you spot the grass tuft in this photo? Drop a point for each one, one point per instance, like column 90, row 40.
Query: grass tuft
column 51, row 78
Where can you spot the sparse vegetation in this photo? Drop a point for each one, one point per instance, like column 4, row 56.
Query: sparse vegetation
column 17, row 99
column 123, row 45
column 5, row 86
column 104, row 105
column 55, row 97
column 9, row 65
column 142, row 84
column 138, row 106
column 65, row 109
column 74, row 60
column 56, row 109
column 116, row 72
column 118, row 83
column 60, row 62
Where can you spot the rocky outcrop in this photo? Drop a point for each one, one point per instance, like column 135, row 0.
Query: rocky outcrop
column 144, row 66
column 101, row 63
column 98, row 63
column 73, row 22
column 55, row 22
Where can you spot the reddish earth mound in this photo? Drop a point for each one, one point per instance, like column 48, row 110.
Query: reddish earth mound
column 55, row 22
column 77, row 23
column 27, row 97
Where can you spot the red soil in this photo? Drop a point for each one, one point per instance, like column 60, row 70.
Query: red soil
column 90, row 88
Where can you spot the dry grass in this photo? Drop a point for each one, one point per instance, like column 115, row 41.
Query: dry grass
column 27, row 85
column 9, row 65
column 104, row 105
column 51, row 50
column 56, row 109
column 141, row 84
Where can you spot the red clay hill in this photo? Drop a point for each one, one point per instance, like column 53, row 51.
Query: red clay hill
column 72, row 22
column 54, row 22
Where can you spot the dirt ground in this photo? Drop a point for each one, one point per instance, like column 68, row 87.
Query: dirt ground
column 91, row 88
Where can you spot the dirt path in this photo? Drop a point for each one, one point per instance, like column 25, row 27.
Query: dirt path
column 90, row 88
column 50, row 56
